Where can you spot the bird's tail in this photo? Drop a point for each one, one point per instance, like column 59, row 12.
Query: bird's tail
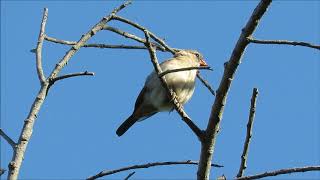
column 126, row 125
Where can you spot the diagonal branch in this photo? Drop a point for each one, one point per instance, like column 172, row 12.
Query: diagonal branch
column 41, row 76
column 158, row 40
column 8, row 139
column 131, row 174
column 185, row 69
column 86, row 73
column 131, row 36
column 284, row 42
column 26, row 132
column 206, row 84
column 244, row 155
column 177, row 106
column 207, row 147
column 280, row 172
column 141, row 166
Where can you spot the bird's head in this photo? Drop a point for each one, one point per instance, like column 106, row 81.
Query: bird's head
column 191, row 54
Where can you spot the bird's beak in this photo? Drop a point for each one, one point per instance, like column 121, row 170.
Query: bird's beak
column 203, row 63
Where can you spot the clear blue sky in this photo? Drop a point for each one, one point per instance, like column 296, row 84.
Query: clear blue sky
column 74, row 135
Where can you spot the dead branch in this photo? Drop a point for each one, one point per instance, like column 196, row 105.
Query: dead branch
column 133, row 37
column 8, row 139
column 86, row 73
column 15, row 164
column 141, row 166
column 280, row 172
column 185, row 69
column 207, row 146
column 41, row 75
column 158, row 40
column 244, row 156
column 131, row 174
column 177, row 106
column 283, row 42
column 206, row 84
column 59, row 41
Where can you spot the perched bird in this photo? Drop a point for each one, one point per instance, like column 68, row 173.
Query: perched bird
column 153, row 97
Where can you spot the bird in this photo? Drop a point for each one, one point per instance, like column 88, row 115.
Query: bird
column 153, row 97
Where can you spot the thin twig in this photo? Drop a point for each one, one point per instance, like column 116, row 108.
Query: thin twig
column 178, row 107
column 244, row 156
column 207, row 147
column 8, row 139
column 131, row 174
column 206, row 84
column 281, row 171
column 133, row 37
column 185, row 69
column 86, row 73
column 284, row 42
column 41, row 75
column 158, row 40
column 141, row 166
column 26, row 132
column 59, row 41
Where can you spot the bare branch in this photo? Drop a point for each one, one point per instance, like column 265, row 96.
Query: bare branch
column 15, row 164
column 141, row 166
column 84, row 39
column 185, row 69
column 178, row 107
column 284, row 42
column 86, row 73
column 8, row 139
column 51, row 39
column 244, row 155
column 207, row 147
column 281, row 171
column 158, row 40
column 41, row 76
column 131, row 36
column 131, row 174
column 206, row 84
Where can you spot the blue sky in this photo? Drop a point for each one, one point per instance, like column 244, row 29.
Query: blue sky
column 74, row 135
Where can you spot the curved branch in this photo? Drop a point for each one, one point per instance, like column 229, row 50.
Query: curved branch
column 185, row 69
column 244, row 156
column 141, row 166
column 38, row 50
column 131, row 174
column 284, row 42
column 177, row 106
column 281, row 171
column 207, row 147
column 86, row 73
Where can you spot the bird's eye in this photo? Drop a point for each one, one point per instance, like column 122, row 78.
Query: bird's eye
column 197, row 55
